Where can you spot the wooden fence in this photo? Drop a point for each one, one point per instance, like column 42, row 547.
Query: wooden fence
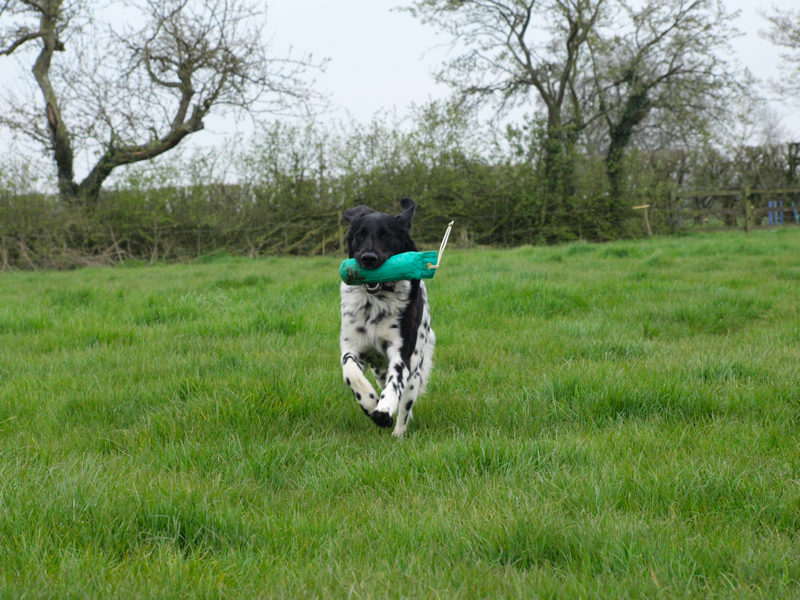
column 746, row 208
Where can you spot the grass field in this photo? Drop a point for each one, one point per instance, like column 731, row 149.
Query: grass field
column 614, row 420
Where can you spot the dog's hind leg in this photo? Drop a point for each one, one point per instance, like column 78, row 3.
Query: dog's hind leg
column 420, row 370
column 406, row 403
column 380, row 376
column 353, row 372
column 421, row 365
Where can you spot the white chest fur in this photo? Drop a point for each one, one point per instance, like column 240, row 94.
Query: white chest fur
column 370, row 321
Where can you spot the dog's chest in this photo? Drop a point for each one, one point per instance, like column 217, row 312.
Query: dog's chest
column 372, row 320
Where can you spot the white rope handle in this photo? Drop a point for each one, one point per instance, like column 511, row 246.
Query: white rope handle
column 441, row 248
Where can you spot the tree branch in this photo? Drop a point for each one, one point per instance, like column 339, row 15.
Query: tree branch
column 23, row 39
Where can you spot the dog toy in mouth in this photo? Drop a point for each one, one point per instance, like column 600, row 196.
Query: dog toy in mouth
column 408, row 265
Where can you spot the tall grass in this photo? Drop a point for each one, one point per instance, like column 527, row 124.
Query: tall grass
column 603, row 421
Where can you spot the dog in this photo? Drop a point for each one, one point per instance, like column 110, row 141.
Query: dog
column 385, row 326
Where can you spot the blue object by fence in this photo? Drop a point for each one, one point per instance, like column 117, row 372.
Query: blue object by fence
column 774, row 216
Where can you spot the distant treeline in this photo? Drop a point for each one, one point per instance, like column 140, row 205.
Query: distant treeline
column 283, row 190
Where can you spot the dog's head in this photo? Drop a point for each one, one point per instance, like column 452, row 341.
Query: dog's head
column 374, row 237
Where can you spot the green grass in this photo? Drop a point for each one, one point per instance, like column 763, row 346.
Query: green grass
column 617, row 420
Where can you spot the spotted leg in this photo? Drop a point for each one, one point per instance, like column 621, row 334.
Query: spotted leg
column 421, row 363
column 396, row 381
column 404, row 413
column 353, row 372
column 380, row 376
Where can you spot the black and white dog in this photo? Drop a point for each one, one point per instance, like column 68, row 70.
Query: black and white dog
column 385, row 325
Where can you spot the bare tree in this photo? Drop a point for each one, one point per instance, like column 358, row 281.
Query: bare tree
column 662, row 67
column 131, row 94
column 515, row 48
column 785, row 32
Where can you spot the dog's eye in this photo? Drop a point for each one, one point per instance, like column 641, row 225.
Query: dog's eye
column 386, row 235
column 359, row 237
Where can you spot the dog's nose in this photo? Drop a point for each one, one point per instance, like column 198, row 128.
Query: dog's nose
column 369, row 260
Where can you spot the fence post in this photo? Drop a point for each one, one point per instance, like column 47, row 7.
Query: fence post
column 644, row 208
column 673, row 203
column 748, row 213
column 341, row 232
column 4, row 253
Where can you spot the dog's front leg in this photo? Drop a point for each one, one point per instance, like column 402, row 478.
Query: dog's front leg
column 396, row 381
column 353, row 372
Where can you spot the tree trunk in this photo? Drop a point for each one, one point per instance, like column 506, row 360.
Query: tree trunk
column 635, row 111
column 558, row 167
column 59, row 135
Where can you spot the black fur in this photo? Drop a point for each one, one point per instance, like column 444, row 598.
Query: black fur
column 374, row 237
column 409, row 322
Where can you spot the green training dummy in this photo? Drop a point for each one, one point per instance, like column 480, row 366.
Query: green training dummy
column 408, row 265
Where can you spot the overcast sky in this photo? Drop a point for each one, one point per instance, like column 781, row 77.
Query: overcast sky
column 381, row 59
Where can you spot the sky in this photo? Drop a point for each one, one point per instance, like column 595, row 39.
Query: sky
column 381, row 59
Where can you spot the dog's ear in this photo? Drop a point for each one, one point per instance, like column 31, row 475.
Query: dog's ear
column 351, row 214
column 405, row 217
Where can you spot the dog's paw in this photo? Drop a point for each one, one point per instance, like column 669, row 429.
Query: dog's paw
column 382, row 419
